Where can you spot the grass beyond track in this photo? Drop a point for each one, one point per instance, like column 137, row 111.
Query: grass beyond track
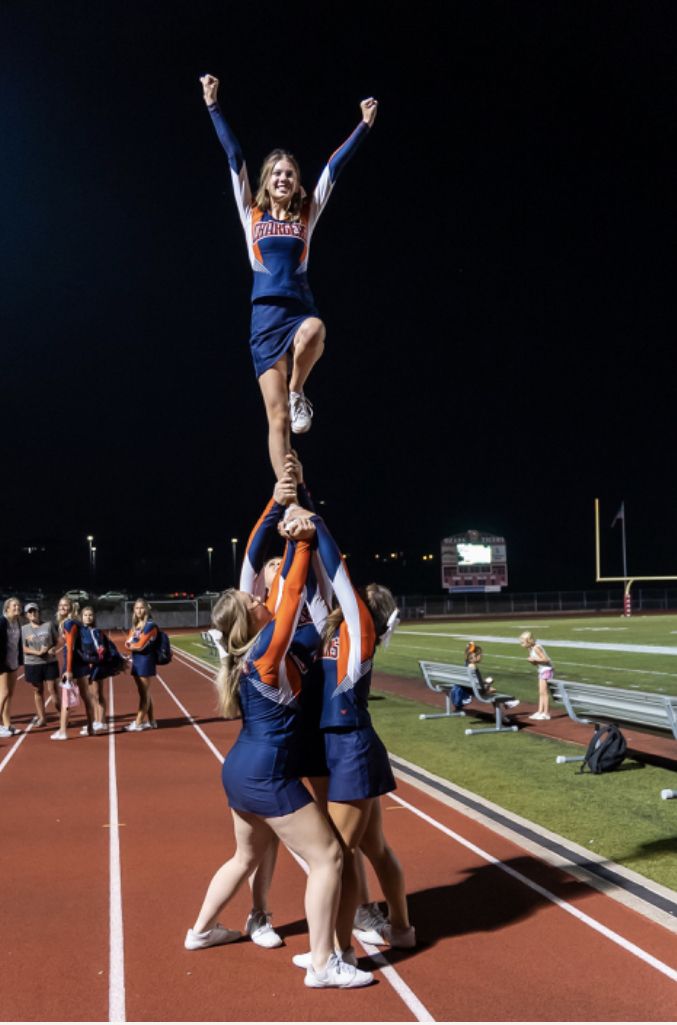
column 619, row 816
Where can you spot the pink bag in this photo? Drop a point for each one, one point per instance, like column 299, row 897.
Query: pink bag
column 70, row 693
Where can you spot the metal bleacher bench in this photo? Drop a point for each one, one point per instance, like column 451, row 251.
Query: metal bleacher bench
column 590, row 703
column 442, row 678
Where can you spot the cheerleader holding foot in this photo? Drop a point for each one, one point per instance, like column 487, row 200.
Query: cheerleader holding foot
column 259, row 680
column 287, row 334
column 359, row 770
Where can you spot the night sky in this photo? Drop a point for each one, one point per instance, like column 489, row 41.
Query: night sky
column 495, row 269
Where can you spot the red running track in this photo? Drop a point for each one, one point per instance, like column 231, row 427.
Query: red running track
column 503, row 936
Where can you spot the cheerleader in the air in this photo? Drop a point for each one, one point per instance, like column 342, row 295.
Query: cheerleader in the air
column 287, row 335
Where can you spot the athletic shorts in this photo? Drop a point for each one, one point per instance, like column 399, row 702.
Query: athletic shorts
column 546, row 673
column 358, row 764
column 39, row 672
column 273, row 328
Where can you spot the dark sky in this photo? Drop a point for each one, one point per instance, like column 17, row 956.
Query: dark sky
column 495, row 270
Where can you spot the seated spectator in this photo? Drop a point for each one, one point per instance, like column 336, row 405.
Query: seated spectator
column 473, row 657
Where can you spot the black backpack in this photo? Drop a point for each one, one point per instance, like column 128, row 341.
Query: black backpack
column 606, row 750
column 163, row 649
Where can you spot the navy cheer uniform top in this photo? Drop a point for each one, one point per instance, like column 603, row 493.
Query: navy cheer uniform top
column 356, row 758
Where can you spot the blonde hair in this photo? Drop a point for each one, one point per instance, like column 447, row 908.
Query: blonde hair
column 380, row 602
column 147, row 606
column 7, row 604
column 73, row 612
column 231, row 617
column 262, row 198
column 527, row 637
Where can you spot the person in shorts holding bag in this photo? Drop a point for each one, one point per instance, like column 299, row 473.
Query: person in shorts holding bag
column 41, row 666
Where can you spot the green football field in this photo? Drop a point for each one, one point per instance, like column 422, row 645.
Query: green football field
column 618, row 816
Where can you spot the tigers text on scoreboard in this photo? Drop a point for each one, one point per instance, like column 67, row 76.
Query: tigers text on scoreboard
column 474, row 562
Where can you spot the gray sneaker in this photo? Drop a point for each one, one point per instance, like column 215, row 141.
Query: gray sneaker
column 211, row 938
column 369, row 923
column 259, row 929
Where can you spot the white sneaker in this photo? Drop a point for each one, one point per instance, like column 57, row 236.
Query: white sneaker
column 305, row 960
column 138, row 727
column 403, row 939
column 300, row 412
column 85, row 730
column 9, row 731
column 368, row 923
column 338, row 974
column 536, row 715
column 211, row 938
column 259, row 929
column 511, row 704
column 58, row 736
column 98, row 727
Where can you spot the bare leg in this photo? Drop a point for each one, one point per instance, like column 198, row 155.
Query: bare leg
column 262, row 876
column 4, row 699
column 273, row 385
column 83, row 687
column 387, row 867
column 308, row 347
column 543, row 696
column 307, row 833
column 252, row 836
column 7, row 682
column 39, row 702
column 145, row 704
column 350, row 820
column 98, row 700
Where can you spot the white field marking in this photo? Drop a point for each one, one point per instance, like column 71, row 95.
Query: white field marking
column 563, row 905
column 215, row 751
column 15, row 746
column 640, row 649
column 598, row 629
column 407, row 995
column 116, row 973
column 192, row 661
column 560, row 662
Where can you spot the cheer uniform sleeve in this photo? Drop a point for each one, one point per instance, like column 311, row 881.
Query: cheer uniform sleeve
column 70, row 633
column 145, row 638
column 264, row 531
column 238, row 168
column 335, row 165
column 267, row 664
column 358, row 625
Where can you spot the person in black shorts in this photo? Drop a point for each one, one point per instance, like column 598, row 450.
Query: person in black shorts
column 41, row 666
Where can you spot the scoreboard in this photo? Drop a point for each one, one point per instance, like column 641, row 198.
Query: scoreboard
column 474, row 562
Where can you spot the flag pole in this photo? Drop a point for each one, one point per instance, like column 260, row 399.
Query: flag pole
column 625, row 550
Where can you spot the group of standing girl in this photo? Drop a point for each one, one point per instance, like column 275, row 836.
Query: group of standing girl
column 296, row 669
column 89, row 657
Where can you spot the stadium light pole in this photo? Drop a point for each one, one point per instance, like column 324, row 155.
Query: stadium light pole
column 233, row 542
column 90, row 542
column 93, row 564
column 209, row 561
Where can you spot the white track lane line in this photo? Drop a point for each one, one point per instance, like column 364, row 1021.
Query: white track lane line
column 116, row 973
column 408, row 997
column 564, row 905
column 17, row 743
